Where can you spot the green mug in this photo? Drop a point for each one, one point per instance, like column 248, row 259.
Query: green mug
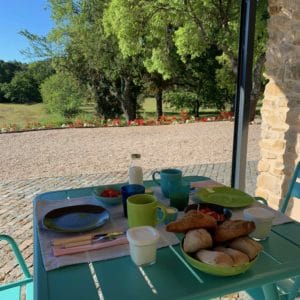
column 142, row 211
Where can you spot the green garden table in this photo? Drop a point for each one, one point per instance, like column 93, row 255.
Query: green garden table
column 170, row 277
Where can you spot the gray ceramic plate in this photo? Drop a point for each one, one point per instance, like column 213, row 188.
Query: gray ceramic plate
column 77, row 218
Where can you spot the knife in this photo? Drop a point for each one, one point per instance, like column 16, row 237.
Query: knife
column 86, row 239
column 59, row 251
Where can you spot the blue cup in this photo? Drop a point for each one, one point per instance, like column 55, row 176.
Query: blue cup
column 179, row 192
column 130, row 190
column 166, row 176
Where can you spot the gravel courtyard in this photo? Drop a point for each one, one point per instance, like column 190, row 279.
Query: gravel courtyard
column 37, row 161
column 71, row 152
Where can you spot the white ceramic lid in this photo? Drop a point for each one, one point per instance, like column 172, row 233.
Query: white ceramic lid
column 259, row 213
column 142, row 235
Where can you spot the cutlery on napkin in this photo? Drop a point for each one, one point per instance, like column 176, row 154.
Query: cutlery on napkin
column 88, row 242
column 85, row 239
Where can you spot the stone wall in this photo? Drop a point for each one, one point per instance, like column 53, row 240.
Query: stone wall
column 280, row 139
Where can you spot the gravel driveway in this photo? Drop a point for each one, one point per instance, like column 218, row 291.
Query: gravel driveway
column 69, row 152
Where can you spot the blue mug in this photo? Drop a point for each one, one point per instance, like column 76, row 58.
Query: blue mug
column 167, row 175
column 130, row 190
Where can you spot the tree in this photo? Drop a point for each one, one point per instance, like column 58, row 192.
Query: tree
column 147, row 27
column 62, row 94
column 22, row 81
column 198, row 86
column 23, row 88
column 7, row 72
column 94, row 58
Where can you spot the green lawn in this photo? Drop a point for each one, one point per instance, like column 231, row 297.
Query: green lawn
column 28, row 113
column 21, row 113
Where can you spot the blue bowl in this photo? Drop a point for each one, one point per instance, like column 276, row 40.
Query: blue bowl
column 107, row 200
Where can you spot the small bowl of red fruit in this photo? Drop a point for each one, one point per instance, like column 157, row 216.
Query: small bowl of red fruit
column 108, row 195
column 218, row 212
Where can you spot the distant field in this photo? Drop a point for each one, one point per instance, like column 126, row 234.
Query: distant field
column 21, row 113
column 28, row 113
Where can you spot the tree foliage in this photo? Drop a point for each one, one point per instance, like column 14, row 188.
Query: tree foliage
column 19, row 83
column 148, row 28
column 22, row 88
column 62, row 94
column 119, row 48
column 7, row 72
column 93, row 58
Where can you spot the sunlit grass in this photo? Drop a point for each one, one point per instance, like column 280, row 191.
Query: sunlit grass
column 22, row 113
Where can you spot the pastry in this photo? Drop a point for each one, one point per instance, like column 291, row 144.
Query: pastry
column 214, row 258
column 197, row 239
column 233, row 229
column 239, row 258
column 192, row 220
column 246, row 245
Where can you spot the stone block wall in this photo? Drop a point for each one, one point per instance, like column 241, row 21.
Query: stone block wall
column 280, row 138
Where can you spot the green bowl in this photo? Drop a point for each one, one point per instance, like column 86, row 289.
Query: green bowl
column 107, row 200
column 217, row 270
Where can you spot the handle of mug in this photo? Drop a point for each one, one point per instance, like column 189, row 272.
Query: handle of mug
column 162, row 208
column 154, row 179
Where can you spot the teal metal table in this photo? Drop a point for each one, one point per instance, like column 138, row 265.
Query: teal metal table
column 169, row 278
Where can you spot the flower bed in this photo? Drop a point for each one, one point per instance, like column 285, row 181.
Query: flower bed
column 184, row 118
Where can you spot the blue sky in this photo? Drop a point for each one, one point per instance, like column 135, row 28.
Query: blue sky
column 17, row 15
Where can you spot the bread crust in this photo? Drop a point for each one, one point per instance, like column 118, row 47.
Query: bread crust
column 197, row 239
column 246, row 245
column 214, row 258
column 192, row 220
column 239, row 258
column 233, row 229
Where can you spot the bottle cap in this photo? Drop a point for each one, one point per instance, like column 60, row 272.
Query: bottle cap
column 135, row 155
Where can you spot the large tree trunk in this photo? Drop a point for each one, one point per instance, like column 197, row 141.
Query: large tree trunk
column 158, row 98
column 197, row 107
column 257, row 86
column 128, row 92
column 128, row 99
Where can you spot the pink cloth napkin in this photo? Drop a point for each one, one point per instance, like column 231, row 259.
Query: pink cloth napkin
column 58, row 250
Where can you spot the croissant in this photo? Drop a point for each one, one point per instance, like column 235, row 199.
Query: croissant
column 192, row 220
column 233, row 229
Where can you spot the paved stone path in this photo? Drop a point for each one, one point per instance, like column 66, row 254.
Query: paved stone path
column 16, row 203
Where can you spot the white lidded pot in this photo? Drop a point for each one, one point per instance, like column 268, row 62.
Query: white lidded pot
column 263, row 219
column 143, row 244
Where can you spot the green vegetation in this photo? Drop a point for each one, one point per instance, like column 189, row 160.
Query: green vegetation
column 62, row 94
column 27, row 116
column 22, row 113
column 115, row 53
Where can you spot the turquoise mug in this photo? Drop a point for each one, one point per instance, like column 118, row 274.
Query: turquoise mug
column 167, row 175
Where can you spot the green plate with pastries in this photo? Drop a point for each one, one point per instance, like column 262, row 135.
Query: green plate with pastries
column 217, row 270
column 224, row 196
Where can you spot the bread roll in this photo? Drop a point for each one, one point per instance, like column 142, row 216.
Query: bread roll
column 197, row 239
column 192, row 220
column 246, row 245
column 233, row 229
column 239, row 258
column 214, row 258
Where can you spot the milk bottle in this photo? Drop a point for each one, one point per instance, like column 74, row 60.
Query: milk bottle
column 135, row 172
